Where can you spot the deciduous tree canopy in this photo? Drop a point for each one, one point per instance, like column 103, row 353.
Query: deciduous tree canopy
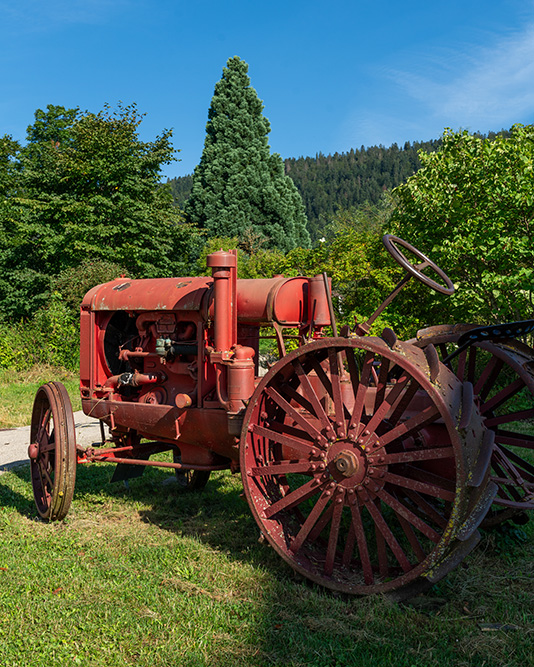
column 471, row 207
column 86, row 188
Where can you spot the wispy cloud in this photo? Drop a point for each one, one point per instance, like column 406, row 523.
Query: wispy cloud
column 36, row 15
column 482, row 86
column 478, row 87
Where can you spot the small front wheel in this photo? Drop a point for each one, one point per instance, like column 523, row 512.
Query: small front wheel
column 52, row 451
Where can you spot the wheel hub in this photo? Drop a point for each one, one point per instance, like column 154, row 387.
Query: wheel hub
column 346, row 463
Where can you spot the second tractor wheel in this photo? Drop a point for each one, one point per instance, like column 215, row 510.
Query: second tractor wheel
column 52, row 451
column 502, row 376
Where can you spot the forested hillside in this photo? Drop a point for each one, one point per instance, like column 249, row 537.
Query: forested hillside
column 329, row 183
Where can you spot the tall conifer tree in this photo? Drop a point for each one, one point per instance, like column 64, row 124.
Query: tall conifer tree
column 239, row 187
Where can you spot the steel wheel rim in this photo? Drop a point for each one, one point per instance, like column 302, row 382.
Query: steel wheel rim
column 52, row 451
column 414, row 525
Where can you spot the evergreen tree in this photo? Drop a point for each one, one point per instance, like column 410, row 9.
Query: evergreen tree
column 239, row 187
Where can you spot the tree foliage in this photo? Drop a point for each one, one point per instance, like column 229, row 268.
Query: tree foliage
column 471, row 207
column 238, row 184
column 87, row 188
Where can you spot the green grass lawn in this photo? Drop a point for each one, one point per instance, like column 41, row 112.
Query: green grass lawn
column 18, row 389
column 151, row 576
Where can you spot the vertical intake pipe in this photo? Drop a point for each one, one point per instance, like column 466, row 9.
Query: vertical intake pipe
column 224, row 271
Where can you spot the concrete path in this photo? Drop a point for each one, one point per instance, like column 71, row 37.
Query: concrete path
column 14, row 441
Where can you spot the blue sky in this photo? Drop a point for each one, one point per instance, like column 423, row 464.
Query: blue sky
column 332, row 75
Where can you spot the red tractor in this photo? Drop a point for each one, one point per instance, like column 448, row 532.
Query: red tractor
column 368, row 462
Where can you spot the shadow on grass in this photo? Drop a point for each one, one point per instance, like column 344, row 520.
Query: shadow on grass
column 216, row 515
column 287, row 621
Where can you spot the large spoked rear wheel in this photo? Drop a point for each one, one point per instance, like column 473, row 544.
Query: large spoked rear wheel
column 502, row 376
column 52, row 451
column 354, row 468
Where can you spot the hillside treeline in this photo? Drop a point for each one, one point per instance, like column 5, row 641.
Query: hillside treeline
column 331, row 183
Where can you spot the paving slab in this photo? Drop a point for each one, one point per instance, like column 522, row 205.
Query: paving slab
column 14, row 441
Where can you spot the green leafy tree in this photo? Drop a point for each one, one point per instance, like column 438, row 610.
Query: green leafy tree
column 8, row 151
column 471, row 208
column 88, row 189
column 238, row 184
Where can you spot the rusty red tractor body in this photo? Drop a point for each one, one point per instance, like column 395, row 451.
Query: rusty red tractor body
column 368, row 462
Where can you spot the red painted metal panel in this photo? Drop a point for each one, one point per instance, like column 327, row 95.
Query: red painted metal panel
column 179, row 294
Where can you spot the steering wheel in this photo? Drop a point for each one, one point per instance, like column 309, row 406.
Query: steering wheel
column 391, row 242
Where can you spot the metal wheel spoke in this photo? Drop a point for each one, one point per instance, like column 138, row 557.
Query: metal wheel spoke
column 426, row 508
column 444, row 352
column 353, row 370
column 284, row 440
column 293, row 395
column 293, row 413
column 407, row 514
column 311, row 520
column 384, row 406
column 411, row 455
column 471, row 364
column 43, row 470
column 281, row 468
column 294, row 498
column 43, row 423
column 292, row 431
column 312, row 397
column 350, row 543
column 507, row 488
column 357, row 527
column 514, row 439
column 405, row 400
column 527, row 467
column 334, row 533
column 47, row 444
column 421, row 487
column 381, row 383
column 511, row 417
column 339, row 406
column 42, row 480
column 412, row 538
column 423, row 475
column 502, row 396
column 513, row 504
column 488, row 377
column 388, row 536
column 424, row 418
column 512, row 476
column 327, row 383
column 363, row 385
column 460, row 370
column 321, row 524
